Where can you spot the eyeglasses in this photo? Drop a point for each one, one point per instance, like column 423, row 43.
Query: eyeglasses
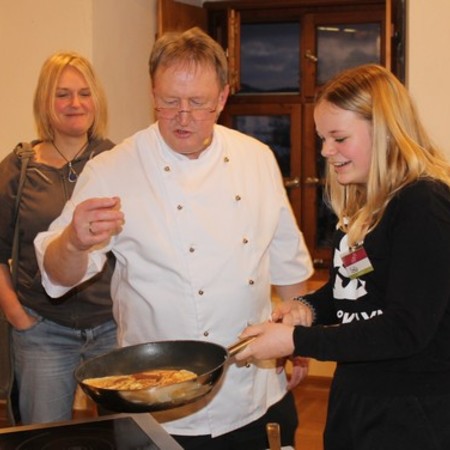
column 197, row 113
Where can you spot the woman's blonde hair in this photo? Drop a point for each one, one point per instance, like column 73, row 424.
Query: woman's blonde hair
column 401, row 149
column 44, row 96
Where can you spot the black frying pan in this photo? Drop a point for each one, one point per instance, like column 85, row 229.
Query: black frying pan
column 205, row 359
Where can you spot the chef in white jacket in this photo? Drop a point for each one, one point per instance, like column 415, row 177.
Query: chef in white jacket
column 201, row 227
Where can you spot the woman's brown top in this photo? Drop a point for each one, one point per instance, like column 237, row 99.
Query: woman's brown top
column 45, row 192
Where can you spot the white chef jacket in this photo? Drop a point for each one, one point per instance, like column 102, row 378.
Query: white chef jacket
column 203, row 241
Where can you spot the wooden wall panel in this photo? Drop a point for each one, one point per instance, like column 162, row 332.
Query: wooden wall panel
column 176, row 16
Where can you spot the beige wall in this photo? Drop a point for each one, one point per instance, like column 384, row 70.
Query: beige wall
column 123, row 35
column 116, row 35
column 428, row 65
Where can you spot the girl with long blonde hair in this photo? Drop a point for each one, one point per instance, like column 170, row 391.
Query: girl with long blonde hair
column 384, row 314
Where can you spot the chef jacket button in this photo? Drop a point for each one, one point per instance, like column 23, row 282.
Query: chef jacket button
column 245, row 241
column 206, row 333
column 167, row 169
column 237, row 198
column 251, row 282
column 200, row 292
column 226, row 159
column 179, row 207
column 192, row 249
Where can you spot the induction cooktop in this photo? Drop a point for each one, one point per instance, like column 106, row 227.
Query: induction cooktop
column 114, row 432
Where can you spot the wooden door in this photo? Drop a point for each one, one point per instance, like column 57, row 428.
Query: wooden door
column 176, row 16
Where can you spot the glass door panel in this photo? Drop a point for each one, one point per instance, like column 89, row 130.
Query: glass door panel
column 335, row 42
column 341, row 46
column 274, row 131
column 269, row 58
column 326, row 219
column 278, row 126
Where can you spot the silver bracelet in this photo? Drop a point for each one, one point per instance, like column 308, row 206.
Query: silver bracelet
column 306, row 303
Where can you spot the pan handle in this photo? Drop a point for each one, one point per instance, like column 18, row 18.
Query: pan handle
column 240, row 345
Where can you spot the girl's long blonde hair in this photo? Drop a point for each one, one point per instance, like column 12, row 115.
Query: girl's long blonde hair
column 401, row 149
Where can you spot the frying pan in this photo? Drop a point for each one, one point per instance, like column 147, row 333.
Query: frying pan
column 203, row 358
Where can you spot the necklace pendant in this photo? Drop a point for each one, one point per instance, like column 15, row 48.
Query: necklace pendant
column 72, row 177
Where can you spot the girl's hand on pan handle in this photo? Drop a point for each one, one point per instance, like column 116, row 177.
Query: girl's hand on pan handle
column 273, row 340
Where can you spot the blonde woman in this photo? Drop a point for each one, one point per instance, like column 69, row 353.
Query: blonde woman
column 384, row 315
column 50, row 337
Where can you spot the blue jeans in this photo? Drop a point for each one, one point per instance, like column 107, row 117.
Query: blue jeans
column 45, row 357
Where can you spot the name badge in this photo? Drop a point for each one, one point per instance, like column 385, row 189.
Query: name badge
column 357, row 263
